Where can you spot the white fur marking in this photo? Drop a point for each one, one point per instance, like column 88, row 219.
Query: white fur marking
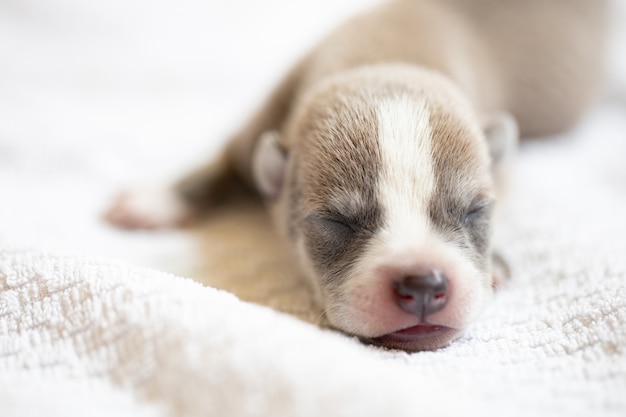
column 405, row 186
column 407, row 179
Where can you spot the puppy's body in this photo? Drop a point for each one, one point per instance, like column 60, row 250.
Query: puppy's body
column 379, row 153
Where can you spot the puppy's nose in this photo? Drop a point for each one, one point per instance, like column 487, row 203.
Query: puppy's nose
column 422, row 294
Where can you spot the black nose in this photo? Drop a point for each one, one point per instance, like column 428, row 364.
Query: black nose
column 422, row 294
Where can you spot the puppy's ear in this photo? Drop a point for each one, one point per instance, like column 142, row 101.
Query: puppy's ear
column 502, row 137
column 268, row 165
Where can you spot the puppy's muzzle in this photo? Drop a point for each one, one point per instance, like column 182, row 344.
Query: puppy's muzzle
column 422, row 294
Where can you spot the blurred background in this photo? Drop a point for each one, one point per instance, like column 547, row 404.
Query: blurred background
column 98, row 95
column 119, row 75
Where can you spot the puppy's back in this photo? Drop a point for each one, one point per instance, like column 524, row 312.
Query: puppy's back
column 549, row 54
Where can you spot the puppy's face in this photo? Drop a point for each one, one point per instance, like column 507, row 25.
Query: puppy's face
column 387, row 199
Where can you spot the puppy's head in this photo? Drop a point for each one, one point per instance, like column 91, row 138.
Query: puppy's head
column 383, row 183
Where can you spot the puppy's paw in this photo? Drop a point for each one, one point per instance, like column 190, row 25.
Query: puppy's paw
column 148, row 209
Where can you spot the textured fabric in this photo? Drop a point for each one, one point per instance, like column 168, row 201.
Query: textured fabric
column 144, row 341
column 94, row 95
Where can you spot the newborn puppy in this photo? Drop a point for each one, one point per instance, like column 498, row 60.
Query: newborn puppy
column 381, row 155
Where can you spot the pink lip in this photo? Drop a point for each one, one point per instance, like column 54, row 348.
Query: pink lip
column 419, row 332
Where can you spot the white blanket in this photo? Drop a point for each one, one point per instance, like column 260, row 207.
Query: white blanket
column 95, row 95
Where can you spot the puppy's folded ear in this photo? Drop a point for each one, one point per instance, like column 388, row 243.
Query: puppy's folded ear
column 268, row 165
column 502, row 137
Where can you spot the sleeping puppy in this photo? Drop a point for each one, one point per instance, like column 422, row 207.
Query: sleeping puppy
column 381, row 155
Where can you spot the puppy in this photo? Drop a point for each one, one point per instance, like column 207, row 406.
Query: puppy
column 381, row 154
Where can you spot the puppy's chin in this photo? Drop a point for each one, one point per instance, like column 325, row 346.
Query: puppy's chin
column 416, row 338
column 411, row 336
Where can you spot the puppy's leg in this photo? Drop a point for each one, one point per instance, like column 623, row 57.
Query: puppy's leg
column 212, row 184
column 177, row 205
column 147, row 208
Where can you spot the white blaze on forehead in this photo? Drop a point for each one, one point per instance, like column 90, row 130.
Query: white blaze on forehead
column 407, row 179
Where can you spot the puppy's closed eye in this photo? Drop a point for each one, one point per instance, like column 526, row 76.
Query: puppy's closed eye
column 476, row 222
column 334, row 224
column 479, row 210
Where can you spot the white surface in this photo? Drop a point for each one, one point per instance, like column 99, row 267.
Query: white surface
column 95, row 95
